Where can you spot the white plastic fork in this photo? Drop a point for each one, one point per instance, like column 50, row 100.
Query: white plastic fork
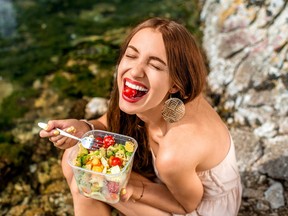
column 87, row 142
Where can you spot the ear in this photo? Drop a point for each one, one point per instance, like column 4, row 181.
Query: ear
column 173, row 89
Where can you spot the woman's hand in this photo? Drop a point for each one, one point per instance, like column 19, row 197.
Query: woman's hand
column 135, row 188
column 73, row 126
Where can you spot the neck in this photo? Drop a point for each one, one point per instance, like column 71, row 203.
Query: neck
column 153, row 118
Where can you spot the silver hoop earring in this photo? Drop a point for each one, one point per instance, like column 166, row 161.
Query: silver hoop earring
column 173, row 110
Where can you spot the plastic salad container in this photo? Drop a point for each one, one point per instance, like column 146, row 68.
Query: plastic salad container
column 101, row 174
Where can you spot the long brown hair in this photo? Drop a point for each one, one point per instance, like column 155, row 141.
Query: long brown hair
column 186, row 69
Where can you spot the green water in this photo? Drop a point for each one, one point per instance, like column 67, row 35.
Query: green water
column 39, row 38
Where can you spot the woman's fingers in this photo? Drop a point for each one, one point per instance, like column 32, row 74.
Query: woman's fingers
column 68, row 125
column 55, row 139
column 126, row 193
column 58, row 140
column 60, row 143
column 44, row 133
column 123, row 195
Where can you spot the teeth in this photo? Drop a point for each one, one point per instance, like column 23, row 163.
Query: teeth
column 136, row 87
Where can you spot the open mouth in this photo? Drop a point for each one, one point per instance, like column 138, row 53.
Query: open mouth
column 133, row 90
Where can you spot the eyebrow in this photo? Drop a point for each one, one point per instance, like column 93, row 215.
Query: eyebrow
column 150, row 58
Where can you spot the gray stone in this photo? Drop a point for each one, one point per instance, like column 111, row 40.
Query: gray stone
column 283, row 127
column 248, row 148
column 96, row 107
column 247, row 49
column 274, row 195
column 262, row 206
column 252, row 193
column 274, row 161
column 268, row 130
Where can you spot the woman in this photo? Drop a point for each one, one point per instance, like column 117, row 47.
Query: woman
column 157, row 99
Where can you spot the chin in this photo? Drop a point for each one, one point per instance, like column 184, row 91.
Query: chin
column 126, row 109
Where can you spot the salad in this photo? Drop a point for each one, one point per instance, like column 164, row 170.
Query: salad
column 111, row 158
column 101, row 173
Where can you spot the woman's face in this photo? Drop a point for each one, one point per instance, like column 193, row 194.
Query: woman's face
column 143, row 75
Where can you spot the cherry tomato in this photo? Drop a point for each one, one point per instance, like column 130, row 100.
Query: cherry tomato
column 114, row 161
column 99, row 139
column 108, row 141
column 129, row 92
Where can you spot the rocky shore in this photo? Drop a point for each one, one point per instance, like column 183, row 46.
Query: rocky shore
column 246, row 46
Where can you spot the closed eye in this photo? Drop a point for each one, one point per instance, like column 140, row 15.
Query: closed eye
column 131, row 52
column 156, row 67
column 130, row 56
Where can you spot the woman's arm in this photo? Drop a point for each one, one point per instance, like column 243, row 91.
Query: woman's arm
column 186, row 188
column 181, row 193
column 150, row 194
column 155, row 199
column 73, row 126
column 158, row 196
column 176, row 165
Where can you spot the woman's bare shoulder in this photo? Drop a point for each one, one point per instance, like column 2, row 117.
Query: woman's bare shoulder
column 193, row 146
column 180, row 147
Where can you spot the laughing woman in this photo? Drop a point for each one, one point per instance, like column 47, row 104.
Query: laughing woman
column 157, row 99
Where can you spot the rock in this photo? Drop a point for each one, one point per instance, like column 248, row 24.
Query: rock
column 252, row 193
column 274, row 161
column 262, row 206
column 248, row 148
column 268, row 130
column 246, row 43
column 283, row 127
column 96, row 107
column 274, row 195
column 17, row 210
column 56, row 187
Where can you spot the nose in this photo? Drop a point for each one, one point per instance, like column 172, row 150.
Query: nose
column 138, row 70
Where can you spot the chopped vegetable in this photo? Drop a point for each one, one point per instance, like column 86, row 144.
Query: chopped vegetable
column 105, row 158
column 108, row 141
column 113, row 162
column 129, row 146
